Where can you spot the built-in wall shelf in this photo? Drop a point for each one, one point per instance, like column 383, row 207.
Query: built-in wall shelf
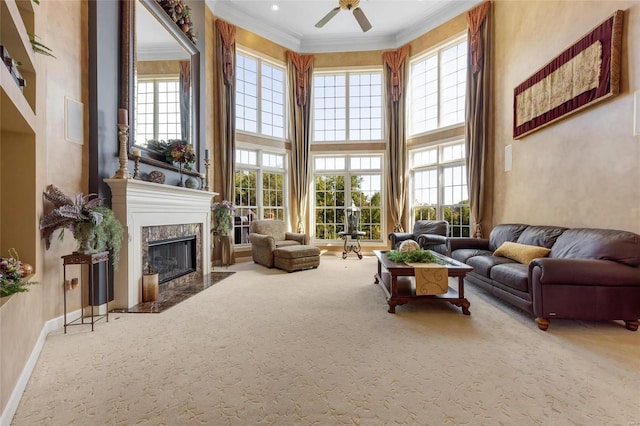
column 18, row 128
column 14, row 36
column 15, row 112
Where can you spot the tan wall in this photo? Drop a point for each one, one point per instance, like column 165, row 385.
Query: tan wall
column 583, row 170
column 58, row 162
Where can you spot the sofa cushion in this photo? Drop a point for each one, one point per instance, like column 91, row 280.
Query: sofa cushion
column 514, row 275
column 462, row 255
column 522, row 253
column 543, row 236
column 605, row 244
column 505, row 232
column 482, row 264
column 438, row 227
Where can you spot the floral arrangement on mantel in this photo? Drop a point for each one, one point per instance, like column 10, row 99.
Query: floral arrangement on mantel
column 94, row 226
column 13, row 273
column 222, row 214
column 180, row 13
column 181, row 152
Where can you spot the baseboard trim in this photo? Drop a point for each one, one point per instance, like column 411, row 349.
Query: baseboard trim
column 16, row 395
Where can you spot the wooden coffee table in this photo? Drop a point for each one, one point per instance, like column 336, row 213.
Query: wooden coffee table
column 398, row 282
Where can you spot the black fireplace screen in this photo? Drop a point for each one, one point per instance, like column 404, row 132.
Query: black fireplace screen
column 173, row 258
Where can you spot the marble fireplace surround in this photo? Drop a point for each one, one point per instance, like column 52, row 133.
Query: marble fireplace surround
column 138, row 204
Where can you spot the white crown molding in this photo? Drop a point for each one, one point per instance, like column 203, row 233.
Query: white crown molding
column 160, row 53
column 226, row 11
column 336, row 43
column 454, row 9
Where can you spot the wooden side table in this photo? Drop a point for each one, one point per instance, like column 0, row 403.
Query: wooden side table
column 89, row 260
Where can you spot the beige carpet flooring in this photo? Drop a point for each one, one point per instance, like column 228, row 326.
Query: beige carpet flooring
column 318, row 347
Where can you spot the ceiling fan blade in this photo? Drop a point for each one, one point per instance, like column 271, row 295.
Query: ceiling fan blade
column 327, row 17
column 362, row 20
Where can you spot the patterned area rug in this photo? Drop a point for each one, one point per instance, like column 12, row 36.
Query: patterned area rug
column 171, row 295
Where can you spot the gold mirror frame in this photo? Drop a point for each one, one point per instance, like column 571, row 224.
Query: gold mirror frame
column 128, row 59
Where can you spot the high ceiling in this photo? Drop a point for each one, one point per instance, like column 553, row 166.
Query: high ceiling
column 394, row 22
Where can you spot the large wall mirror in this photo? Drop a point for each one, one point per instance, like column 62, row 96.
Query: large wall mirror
column 160, row 83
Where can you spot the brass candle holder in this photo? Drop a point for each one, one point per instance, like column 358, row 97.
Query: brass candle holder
column 123, row 137
column 136, row 165
column 206, row 174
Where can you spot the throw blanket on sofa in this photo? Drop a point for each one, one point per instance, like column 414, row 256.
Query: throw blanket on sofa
column 431, row 278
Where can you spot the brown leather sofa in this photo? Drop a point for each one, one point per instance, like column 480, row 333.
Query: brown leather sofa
column 589, row 274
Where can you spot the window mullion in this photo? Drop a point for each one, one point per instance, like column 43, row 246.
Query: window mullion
column 347, row 124
column 155, row 110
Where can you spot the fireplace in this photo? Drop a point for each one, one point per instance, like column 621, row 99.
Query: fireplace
column 172, row 251
column 153, row 212
column 172, row 258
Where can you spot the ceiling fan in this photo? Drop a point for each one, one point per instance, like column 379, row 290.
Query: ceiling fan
column 347, row 5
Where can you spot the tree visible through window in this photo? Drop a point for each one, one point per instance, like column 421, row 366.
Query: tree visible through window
column 341, row 181
column 439, row 187
column 259, row 190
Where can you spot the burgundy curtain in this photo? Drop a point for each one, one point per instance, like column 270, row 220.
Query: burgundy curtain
column 395, row 79
column 300, row 73
column 225, row 114
column 477, row 113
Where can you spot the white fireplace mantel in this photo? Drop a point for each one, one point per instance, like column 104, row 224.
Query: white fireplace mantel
column 139, row 203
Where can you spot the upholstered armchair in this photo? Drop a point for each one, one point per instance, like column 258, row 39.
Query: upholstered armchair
column 429, row 234
column 267, row 235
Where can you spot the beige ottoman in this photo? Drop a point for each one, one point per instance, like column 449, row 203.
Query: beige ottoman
column 296, row 258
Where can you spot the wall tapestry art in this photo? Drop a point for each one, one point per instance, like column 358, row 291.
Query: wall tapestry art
column 584, row 74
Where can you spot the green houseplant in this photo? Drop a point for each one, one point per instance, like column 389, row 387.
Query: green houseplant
column 94, row 226
column 222, row 215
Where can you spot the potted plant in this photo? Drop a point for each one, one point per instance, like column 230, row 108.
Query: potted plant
column 94, row 226
column 222, row 213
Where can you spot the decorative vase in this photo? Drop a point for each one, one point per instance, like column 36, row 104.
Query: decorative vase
column 83, row 233
column 181, row 183
column 192, row 183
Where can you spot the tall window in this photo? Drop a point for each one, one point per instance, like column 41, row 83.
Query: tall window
column 343, row 180
column 260, row 189
column 437, row 82
column 347, row 106
column 157, row 109
column 439, row 186
column 260, row 96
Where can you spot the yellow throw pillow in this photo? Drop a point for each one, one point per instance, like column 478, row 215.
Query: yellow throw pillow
column 521, row 252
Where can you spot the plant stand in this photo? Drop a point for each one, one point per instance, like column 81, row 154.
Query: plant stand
column 352, row 243
column 89, row 260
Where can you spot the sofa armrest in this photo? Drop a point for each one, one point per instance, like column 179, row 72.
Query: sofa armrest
column 582, row 272
column 398, row 237
column 263, row 241
column 431, row 239
column 303, row 239
column 456, row 243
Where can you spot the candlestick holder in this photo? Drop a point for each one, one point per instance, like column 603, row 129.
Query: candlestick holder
column 136, row 167
column 206, row 174
column 123, row 137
